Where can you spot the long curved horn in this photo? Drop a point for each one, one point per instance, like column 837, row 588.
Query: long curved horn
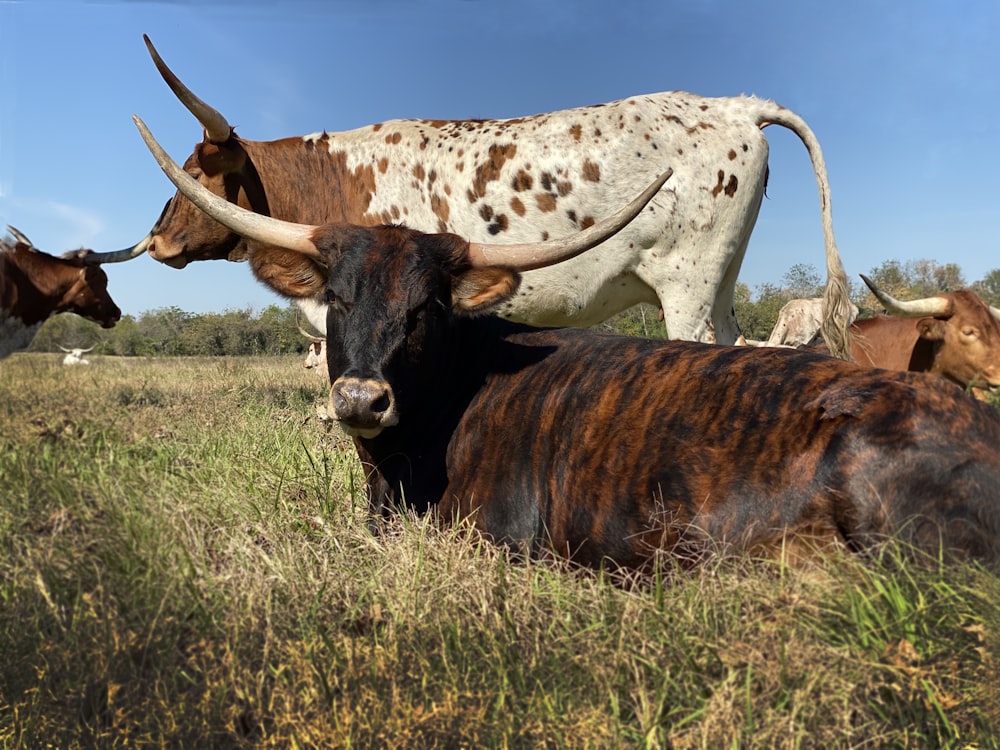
column 84, row 351
column 64, row 348
column 918, row 308
column 526, row 256
column 995, row 311
column 114, row 256
column 315, row 335
column 216, row 127
column 263, row 229
column 18, row 235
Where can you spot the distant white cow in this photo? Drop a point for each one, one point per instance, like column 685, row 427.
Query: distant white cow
column 799, row 322
column 315, row 354
column 75, row 356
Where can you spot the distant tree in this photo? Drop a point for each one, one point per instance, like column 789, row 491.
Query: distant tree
column 927, row 278
column 802, row 282
column 282, row 322
column 164, row 328
column 127, row 340
column 989, row 287
column 756, row 314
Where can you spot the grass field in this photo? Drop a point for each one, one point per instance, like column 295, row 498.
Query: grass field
column 185, row 561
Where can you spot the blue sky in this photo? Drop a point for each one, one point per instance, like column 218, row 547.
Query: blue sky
column 903, row 97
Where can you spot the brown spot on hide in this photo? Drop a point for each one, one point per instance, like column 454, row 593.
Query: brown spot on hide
column 517, row 206
column 440, row 207
column 522, row 181
column 591, row 171
column 500, row 225
column 383, row 165
column 546, row 202
column 486, row 212
column 728, row 188
column 376, row 127
column 393, row 138
column 575, row 132
column 588, row 221
column 489, row 170
column 732, row 154
column 419, row 173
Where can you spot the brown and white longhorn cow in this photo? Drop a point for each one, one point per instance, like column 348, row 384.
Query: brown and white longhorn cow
column 35, row 286
column 666, row 448
column 316, row 353
column 523, row 180
column 955, row 335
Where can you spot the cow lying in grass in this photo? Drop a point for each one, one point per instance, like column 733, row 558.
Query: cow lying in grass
column 601, row 448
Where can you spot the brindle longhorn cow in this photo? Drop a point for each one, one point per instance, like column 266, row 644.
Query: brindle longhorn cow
column 35, row 286
column 521, row 180
column 664, row 447
column 955, row 335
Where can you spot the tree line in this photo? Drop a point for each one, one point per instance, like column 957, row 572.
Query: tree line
column 275, row 330
column 173, row 332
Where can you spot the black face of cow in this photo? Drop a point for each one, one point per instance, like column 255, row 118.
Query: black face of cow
column 393, row 294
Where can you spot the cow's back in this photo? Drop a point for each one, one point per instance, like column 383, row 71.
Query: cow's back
column 608, row 446
column 550, row 175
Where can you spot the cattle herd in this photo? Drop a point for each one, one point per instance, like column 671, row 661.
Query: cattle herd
column 434, row 260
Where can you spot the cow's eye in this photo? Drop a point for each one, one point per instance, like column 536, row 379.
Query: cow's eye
column 970, row 332
column 334, row 301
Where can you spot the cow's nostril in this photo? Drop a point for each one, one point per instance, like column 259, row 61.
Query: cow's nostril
column 381, row 403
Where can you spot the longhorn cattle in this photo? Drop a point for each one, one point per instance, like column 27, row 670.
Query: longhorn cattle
column 522, row 180
column 666, row 447
column 316, row 354
column 799, row 322
column 954, row 335
column 75, row 356
column 35, row 285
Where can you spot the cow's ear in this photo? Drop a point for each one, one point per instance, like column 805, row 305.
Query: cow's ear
column 482, row 289
column 287, row 272
column 931, row 329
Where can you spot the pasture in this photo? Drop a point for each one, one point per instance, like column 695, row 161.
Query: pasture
column 185, row 561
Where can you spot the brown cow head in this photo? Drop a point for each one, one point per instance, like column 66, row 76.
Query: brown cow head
column 88, row 297
column 47, row 285
column 964, row 333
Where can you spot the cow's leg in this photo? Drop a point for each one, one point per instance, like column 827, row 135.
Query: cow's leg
column 688, row 286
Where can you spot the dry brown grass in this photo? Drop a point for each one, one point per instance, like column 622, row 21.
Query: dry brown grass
column 185, row 561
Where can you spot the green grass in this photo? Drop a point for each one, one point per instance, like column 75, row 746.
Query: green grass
column 186, row 561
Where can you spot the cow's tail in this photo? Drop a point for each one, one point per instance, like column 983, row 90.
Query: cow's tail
column 836, row 296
